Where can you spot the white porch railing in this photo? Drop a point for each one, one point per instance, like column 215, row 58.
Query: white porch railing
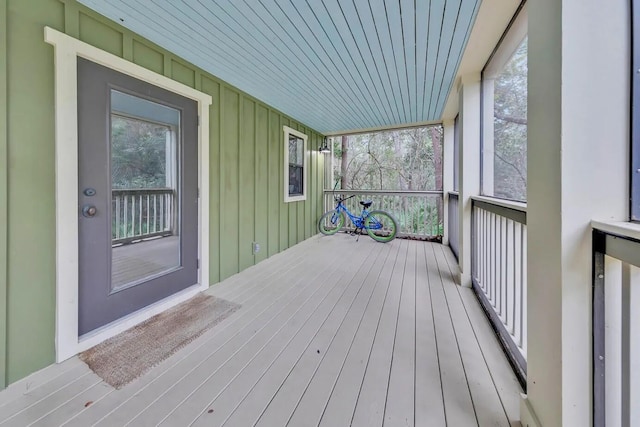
column 616, row 329
column 499, row 272
column 141, row 213
column 453, row 225
column 418, row 213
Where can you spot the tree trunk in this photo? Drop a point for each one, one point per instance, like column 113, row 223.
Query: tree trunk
column 344, row 161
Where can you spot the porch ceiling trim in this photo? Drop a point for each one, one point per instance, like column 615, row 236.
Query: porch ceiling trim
column 336, row 66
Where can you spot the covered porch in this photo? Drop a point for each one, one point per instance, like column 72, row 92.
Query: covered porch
column 333, row 331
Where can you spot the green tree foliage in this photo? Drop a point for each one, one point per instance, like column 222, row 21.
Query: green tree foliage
column 399, row 160
column 138, row 153
column 406, row 159
column 510, row 128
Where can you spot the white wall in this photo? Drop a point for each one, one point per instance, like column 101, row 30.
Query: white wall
column 577, row 171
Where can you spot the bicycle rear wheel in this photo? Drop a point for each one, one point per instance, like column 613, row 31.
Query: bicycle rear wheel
column 331, row 222
column 381, row 226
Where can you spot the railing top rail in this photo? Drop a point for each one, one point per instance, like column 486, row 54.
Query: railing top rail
column 400, row 192
column 454, row 194
column 506, row 208
column 142, row 191
column 509, row 204
column 623, row 229
column 622, row 246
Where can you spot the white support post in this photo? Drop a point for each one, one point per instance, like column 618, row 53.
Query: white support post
column 488, row 146
column 447, row 176
column 469, row 168
column 577, row 170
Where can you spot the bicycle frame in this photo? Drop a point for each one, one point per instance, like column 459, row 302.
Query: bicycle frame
column 357, row 221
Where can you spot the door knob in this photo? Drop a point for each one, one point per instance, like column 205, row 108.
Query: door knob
column 89, row 211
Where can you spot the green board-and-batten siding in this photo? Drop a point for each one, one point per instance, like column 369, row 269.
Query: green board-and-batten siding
column 246, row 161
column 3, row 192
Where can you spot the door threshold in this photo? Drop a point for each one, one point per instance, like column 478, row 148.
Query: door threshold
column 105, row 332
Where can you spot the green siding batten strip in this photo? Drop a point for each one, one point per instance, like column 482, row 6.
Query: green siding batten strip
column 284, row 207
column 261, row 181
column 275, row 190
column 229, row 221
column 3, row 193
column 246, row 197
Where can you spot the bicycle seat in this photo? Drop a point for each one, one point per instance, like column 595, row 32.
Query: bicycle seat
column 366, row 203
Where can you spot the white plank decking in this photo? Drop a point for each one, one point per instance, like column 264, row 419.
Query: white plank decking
column 332, row 332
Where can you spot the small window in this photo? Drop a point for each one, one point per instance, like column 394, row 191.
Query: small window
column 295, row 160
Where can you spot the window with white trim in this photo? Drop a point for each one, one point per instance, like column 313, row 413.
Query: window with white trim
column 504, row 115
column 295, row 161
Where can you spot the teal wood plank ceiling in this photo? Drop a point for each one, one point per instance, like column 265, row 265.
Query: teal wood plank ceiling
column 335, row 65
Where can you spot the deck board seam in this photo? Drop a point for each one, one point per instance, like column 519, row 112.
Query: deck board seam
column 305, row 287
column 395, row 335
column 214, row 334
column 353, row 338
column 43, row 398
column 327, row 351
column 482, row 351
column 378, row 284
column 300, row 291
column 301, row 354
column 466, row 377
column 317, row 365
column 373, row 341
column 310, row 316
column 435, row 334
column 95, row 384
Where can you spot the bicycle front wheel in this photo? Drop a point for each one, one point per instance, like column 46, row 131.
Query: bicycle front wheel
column 381, row 226
column 331, row 222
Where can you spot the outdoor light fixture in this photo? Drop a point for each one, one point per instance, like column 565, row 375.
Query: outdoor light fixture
column 324, row 148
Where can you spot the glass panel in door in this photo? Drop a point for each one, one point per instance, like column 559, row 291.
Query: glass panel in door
column 145, row 199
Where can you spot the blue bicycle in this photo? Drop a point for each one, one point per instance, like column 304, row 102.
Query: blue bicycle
column 380, row 225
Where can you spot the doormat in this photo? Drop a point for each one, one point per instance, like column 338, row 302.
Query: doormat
column 126, row 356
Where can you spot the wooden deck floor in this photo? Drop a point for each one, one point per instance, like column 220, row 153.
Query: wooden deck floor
column 332, row 332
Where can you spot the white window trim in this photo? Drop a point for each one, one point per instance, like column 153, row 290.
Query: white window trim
column 67, row 50
column 289, row 131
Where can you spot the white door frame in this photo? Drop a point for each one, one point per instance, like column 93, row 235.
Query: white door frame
column 67, row 50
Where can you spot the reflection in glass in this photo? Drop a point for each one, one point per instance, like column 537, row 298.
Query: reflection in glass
column 296, row 153
column 145, row 200
column 510, row 127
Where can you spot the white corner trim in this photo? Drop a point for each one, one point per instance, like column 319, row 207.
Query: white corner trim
column 527, row 416
column 67, row 50
column 289, row 131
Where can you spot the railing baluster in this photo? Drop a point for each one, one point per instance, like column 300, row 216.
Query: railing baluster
column 521, row 285
column 513, row 271
column 117, row 216
column 148, row 212
column 126, row 213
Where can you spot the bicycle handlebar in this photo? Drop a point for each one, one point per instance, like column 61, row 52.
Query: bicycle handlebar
column 342, row 199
